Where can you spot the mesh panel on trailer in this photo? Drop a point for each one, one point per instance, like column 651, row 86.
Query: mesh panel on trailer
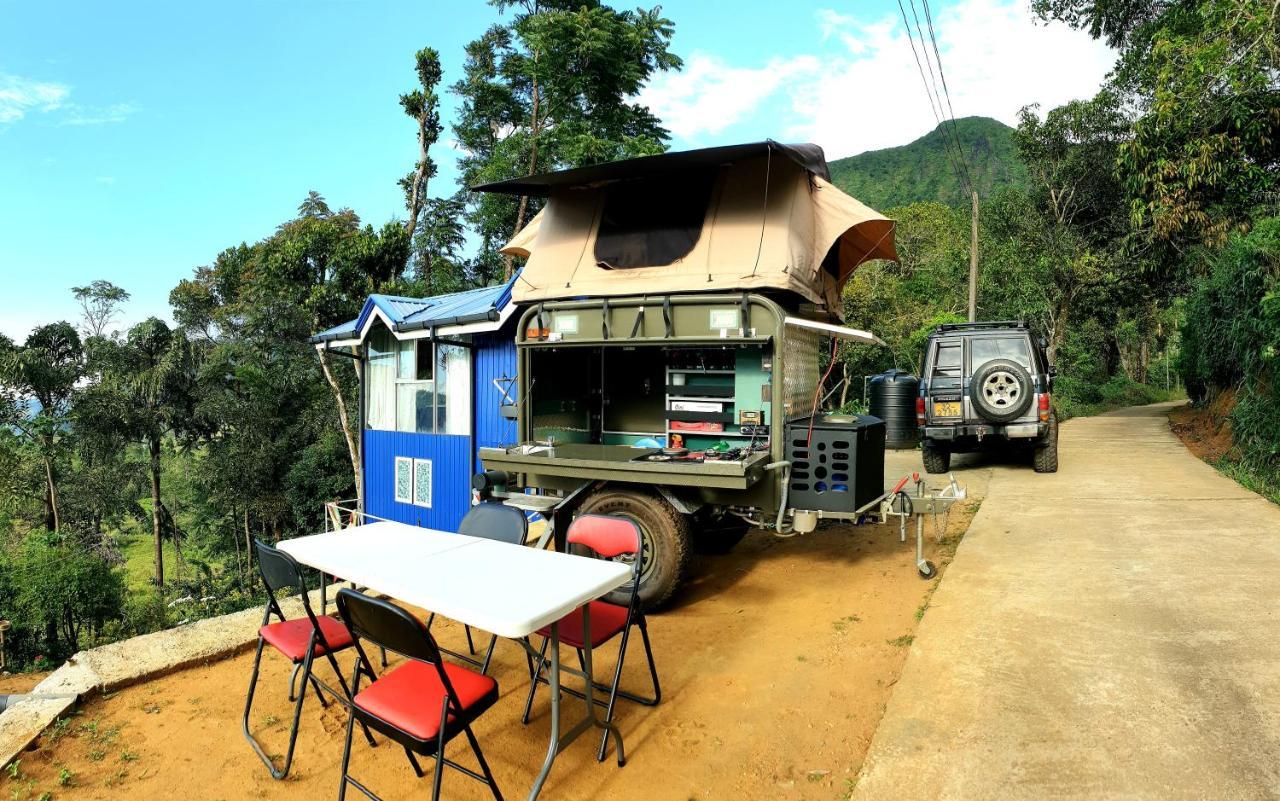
column 800, row 373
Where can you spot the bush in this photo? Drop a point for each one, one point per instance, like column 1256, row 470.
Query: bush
column 1231, row 338
column 59, row 596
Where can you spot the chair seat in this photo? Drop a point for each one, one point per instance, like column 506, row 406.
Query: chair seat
column 607, row 621
column 290, row 637
column 410, row 696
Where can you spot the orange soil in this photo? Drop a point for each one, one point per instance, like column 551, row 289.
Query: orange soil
column 11, row 683
column 776, row 664
column 1206, row 431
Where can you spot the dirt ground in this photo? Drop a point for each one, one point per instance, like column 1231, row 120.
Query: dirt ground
column 1206, row 431
column 776, row 663
column 11, row 683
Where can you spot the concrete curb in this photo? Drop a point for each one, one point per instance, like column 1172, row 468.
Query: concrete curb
column 112, row 667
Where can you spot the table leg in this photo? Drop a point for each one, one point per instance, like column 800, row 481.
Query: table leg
column 554, row 683
column 592, row 720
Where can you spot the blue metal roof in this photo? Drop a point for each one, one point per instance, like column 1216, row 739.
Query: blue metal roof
column 411, row 314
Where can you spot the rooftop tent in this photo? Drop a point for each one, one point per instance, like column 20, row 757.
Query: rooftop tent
column 743, row 217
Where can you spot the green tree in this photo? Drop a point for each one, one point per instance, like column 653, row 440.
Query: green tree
column 100, row 303
column 147, row 392
column 55, row 593
column 423, row 106
column 438, row 263
column 38, row 382
column 1205, row 77
column 553, row 88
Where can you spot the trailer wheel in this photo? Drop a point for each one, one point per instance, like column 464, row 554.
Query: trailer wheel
column 665, row 541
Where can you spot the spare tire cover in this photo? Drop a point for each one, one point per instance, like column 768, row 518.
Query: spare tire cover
column 1001, row 390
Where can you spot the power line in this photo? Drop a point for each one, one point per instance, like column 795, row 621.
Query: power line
column 928, row 15
column 935, row 103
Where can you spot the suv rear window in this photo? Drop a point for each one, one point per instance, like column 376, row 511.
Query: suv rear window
column 947, row 361
column 1014, row 349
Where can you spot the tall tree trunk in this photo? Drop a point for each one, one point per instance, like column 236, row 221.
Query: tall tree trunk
column 533, row 164
column 1059, row 333
column 248, row 542
column 51, row 517
column 156, row 530
column 349, row 433
column 418, row 192
column 1144, row 359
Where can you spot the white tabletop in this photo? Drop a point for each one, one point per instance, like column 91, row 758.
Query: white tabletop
column 510, row 590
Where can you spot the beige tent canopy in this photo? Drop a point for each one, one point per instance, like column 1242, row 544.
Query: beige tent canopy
column 755, row 217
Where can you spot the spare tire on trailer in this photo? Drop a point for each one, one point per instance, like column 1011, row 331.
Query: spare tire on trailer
column 665, row 536
column 1001, row 390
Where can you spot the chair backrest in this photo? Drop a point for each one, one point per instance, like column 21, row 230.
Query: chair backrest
column 386, row 625
column 278, row 569
column 607, row 535
column 495, row 521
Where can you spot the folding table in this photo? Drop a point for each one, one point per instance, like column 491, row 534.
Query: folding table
column 504, row 589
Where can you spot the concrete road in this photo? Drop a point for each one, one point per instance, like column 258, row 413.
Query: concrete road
column 1108, row 632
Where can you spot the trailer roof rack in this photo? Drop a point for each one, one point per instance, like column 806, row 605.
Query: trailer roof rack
column 981, row 325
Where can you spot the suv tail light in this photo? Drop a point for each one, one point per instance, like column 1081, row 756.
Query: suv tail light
column 1044, row 406
column 920, row 411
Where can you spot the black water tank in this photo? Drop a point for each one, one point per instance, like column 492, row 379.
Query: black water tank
column 892, row 398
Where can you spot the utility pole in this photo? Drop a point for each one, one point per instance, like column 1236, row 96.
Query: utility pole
column 973, row 260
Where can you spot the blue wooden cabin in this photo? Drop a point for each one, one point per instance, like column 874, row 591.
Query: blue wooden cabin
column 434, row 376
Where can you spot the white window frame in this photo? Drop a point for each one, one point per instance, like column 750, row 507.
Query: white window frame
column 396, row 480
column 419, row 466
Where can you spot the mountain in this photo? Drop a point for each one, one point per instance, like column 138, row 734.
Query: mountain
column 922, row 170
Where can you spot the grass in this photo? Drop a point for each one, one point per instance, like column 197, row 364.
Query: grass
column 903, row 641
column 1252, row 480
column 139, row 552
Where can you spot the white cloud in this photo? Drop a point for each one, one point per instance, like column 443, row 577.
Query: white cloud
column 869, row 94
column 80, row 115
column 20, row 95
column 709, row 95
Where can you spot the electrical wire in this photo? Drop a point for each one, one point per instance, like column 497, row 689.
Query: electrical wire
column 951, row 145
column 928, row 16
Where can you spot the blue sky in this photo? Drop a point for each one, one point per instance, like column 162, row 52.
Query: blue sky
column 137, row 140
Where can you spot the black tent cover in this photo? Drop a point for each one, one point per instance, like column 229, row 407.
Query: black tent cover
column 808, row 156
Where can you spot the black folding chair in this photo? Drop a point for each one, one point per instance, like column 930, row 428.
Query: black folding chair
column 492, row 521
column 609, row 537
column 301, row 640
column 423, row 703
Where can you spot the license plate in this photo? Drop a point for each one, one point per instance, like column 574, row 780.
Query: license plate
column 946, row 409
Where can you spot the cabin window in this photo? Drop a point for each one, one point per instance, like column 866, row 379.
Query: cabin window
column 380, row 399
column 417, row 386
column 649, row 222
column 453, row 395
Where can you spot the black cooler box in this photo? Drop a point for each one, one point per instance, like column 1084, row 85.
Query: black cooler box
column 841, row 467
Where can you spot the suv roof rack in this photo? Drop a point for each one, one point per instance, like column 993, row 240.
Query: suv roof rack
column 981, row 325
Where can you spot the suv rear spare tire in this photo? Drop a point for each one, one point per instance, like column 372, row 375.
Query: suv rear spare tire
column 1001, row 391
column 665, row 541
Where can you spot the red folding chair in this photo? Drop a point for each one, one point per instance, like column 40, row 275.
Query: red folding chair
column 422, row 703
column 301, row 640
column 609, row 537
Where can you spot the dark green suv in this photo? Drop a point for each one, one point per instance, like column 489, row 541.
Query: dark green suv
column 986, row 384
